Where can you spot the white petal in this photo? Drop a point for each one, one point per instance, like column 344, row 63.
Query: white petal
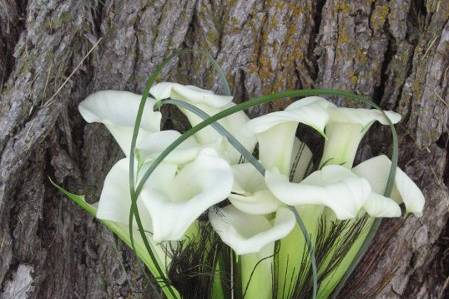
column 333, row 186
column 199, row 185
column 376, row 171
column 313, row 100
column 342, row 142
column 155, row 143
column 118, row 110
column 211, row 104
column 258, row 203
column 276, row 146
column 188, row 93
column 363, row 117
column 250, row 194
column 115, row 200
column 235, row 124
column 380, row 206
column 246, row 233
column 308, row 111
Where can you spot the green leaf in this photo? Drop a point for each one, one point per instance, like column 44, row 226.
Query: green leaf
column 78, row 199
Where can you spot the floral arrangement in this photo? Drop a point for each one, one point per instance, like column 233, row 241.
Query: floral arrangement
column 242, row 208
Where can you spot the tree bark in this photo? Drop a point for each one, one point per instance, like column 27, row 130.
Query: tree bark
column 395, row 51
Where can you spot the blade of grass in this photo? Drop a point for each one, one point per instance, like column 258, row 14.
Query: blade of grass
column 134, row 211
column 242, row 106
column 134, row 195
column 377, row 222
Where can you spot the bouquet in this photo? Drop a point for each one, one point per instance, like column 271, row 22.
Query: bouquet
column 242, row 208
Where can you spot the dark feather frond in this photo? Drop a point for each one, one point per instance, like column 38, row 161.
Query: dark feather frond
column 335, row 239
column 334, row 242
column 193, row 263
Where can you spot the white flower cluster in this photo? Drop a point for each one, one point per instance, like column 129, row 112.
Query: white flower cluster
column 205, row 170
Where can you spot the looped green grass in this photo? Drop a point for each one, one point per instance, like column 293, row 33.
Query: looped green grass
column 135, row 191
column 152, row 262
column 266, row 99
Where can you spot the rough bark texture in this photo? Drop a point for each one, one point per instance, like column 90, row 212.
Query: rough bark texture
column 396, row 51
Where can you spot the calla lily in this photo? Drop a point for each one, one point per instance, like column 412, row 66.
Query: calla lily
column 117, row 110
column 250, row 233
column 115, row 199
column 171, row 201
column 376, row 171
column 276, row 131
column 333, row 186
column 249, row 193
column 197, row 186
column 210, row 103
column 253, row 237
column 346, row 128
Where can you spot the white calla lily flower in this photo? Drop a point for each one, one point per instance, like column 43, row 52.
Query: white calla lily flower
column 376, row 171
column 211, row 104
column 333, row 186
column 172, row 199
column 247, row 234
column 117, row 110
column 250, row 194
column 276, row 131
column 199, row 185
column 115, row 200
column 346, row 128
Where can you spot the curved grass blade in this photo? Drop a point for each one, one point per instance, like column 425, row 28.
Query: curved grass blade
column 134, row 211
column 239, row 107
column 134, row 195
column 221, row 130
column 377, row 222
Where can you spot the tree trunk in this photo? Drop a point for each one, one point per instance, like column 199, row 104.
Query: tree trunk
column 395, row 51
